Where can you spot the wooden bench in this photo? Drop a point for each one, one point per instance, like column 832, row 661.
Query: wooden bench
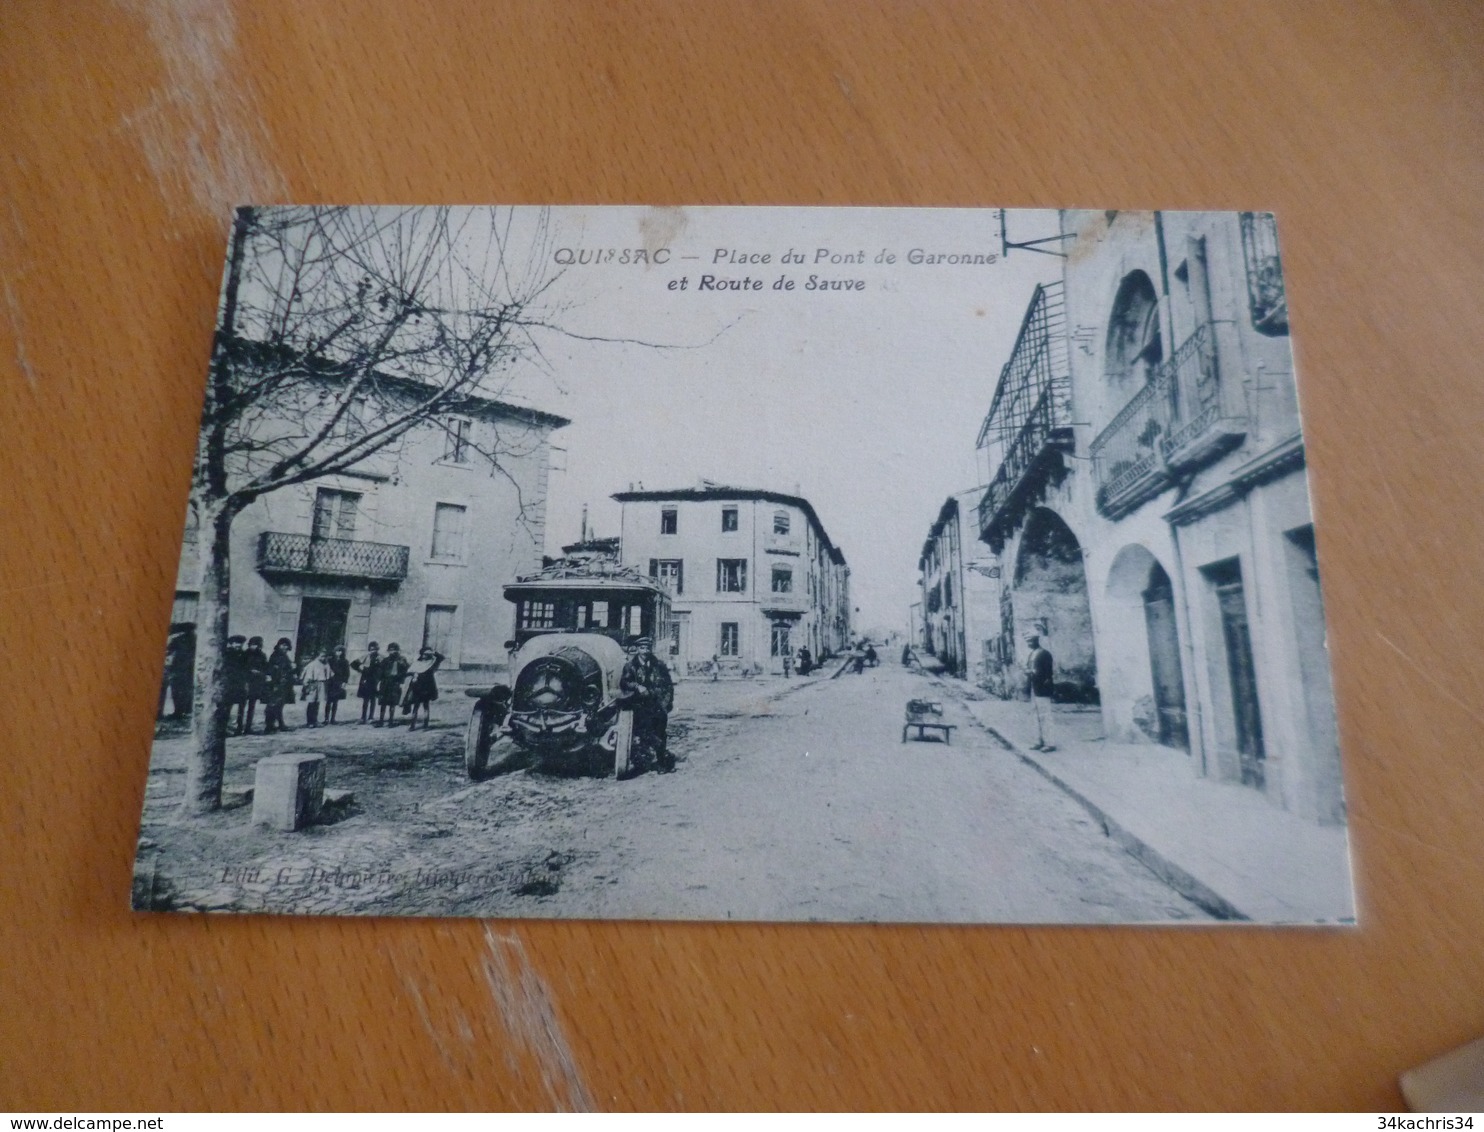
column 922, row 725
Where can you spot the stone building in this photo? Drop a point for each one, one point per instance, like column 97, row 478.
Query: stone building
column 1027, row 437
column 959, row 577
column 1150, row 499
column 753, row 574
column 413, row 545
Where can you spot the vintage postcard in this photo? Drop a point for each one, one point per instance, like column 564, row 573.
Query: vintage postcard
column 873, row 565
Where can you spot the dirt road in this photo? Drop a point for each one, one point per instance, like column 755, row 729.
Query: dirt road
column 792, row 801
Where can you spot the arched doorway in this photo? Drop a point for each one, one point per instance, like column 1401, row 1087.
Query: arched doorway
column 1140, row 629
column 1050, row 597
column 1164, row 659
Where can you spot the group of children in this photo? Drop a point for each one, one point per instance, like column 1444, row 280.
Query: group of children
column 382, row 685
column 386, row 681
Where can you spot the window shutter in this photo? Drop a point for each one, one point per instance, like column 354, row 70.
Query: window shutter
column 345, row 526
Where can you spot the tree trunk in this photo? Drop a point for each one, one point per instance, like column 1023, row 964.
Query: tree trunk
column 208, row 758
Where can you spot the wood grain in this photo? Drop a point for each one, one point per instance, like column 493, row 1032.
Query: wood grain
column 129, row 129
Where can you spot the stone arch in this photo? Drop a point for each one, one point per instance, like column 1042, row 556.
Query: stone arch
column 1051, row 598
column 1144, row 688
column 1135, row 345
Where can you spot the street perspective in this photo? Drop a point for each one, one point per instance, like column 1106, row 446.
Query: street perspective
column 874, row 565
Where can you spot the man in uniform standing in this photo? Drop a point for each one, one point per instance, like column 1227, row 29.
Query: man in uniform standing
column 645, row 688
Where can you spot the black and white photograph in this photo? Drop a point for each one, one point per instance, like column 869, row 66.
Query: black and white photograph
column 767, row 564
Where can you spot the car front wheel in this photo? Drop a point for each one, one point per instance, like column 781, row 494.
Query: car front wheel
column 477, row 742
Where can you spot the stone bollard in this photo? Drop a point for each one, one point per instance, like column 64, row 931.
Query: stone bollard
column 288, row 791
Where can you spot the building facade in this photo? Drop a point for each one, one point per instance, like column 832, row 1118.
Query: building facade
column 960, row 582
column 1150, row 499
column 412, row 546
column 753, row 575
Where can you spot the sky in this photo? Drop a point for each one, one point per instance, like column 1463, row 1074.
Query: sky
column 866, row 401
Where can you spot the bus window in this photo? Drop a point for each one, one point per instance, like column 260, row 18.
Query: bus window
column 537, row 614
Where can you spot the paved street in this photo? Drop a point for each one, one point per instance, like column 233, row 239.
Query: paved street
column 792, row 801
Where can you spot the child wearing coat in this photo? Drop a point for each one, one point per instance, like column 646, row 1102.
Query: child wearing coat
column 389, row 683
column 369, row 667
column 422, row 690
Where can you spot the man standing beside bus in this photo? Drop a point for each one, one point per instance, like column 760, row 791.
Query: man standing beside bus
column 646, row 689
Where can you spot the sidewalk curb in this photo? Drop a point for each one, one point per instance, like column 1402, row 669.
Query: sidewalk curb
column 1199, row 894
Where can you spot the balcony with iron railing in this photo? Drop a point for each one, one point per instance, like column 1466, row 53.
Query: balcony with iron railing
column 1265, row 291
column 1029, row 422
column 280, row 553
column 786, row 543
column 1183, row 417
column 1034, row 457
column 788, row 601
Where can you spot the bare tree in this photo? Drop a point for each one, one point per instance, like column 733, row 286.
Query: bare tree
column 340, row 331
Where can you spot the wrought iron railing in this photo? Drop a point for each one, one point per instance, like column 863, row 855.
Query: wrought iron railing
column 1038, row 362
column 1034, row 435
column 283, row 553
column 1128, row 450
column 1028, row 416
column 1179, row 403
column 1265, row 293
column 792, row 600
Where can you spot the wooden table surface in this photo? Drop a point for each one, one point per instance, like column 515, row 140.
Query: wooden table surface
column 130, row 128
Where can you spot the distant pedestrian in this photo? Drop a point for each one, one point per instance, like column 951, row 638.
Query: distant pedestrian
column 278, row 686
column 180, row 671
column 907, row 657
column 316, row 678
column 335, row 687
column 254, row 684
column 788, row 663
column 234, row 677
column 422, row 688
column 806, row 661
column 1040, row 682
column 715, row 668
column 389, row 683
column 369, row 666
